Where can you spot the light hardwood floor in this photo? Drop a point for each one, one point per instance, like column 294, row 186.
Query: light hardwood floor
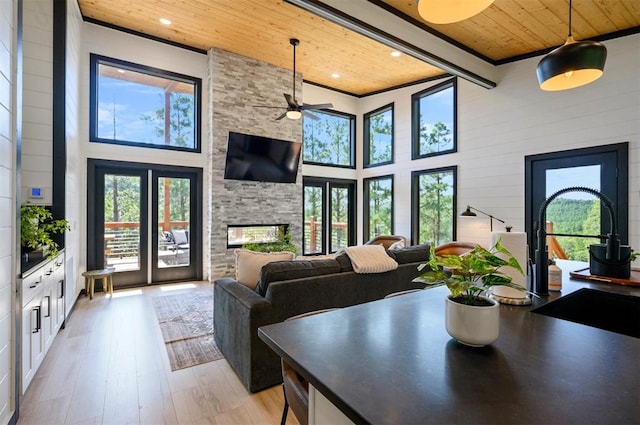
column 109, row 366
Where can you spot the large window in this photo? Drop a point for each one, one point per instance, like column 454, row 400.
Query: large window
column 434, row 205
column 329, row 215
column 137, row 105
column 433, row 122
column 378, row 136
column 378, row 207
column 329, row 140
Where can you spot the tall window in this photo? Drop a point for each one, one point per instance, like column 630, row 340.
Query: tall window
column 433, row 120
column 329, row 140
column 329, row 215
column 433, row 205
column 137, row 105
column 378, row 136
column 378, row 206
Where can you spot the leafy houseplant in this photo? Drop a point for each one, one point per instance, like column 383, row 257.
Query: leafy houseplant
column 468, row 276
column 283, row 243
column 471, row 318
column 37, row 227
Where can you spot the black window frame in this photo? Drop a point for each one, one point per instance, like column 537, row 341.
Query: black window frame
column 415, row 118
column 96, row 60
column 366, row 148
column 352, row 139
column 415, row 201
column 365, row 203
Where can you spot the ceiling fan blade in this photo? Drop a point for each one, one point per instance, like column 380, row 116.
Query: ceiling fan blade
column 264, row 106
column 291, row 101
column 281, row 116
column 309, row 115
column 318, row 106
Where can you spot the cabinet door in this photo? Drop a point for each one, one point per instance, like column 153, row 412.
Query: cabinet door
column 47, row 304
column 59, row 291
column 32, row 347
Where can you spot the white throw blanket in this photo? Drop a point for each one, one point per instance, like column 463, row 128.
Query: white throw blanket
column 370, row 259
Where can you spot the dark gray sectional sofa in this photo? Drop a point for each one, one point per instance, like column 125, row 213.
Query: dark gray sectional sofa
column 289, row 288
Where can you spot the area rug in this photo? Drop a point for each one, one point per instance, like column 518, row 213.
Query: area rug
column 186, row 323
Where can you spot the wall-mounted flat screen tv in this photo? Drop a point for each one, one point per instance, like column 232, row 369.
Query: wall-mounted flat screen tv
column 261, row 159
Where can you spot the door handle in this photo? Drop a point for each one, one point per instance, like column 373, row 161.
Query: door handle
column 36, row 309
column 48, row 297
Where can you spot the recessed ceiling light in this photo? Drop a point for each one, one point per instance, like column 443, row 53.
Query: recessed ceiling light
column 335, row 75
column 121, row 71
column 396, row 53
column 165, row 21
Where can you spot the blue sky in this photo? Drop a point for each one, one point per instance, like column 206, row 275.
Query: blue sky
column 586, row 176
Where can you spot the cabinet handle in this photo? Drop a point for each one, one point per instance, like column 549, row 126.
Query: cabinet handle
column 33, row 286
column 61, row 291
column 48, row 297
column 38, row 324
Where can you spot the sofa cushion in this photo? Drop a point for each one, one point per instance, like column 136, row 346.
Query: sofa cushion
column 411, row 254
column 249, row 263
column 287, row 270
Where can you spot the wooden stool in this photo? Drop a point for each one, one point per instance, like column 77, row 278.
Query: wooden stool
column 90, row 278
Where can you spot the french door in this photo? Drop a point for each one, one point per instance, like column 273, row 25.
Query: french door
column 144, row 221
column 602, row 168
column 329, row 215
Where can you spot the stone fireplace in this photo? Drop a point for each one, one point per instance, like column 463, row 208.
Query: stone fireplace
column 236, row 86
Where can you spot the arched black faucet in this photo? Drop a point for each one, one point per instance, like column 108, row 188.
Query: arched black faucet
column 541, row 282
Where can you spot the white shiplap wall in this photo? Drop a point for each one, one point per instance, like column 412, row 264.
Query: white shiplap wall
column 8, row 31
column 75, row 165
column 497, row 128
column 37, row 112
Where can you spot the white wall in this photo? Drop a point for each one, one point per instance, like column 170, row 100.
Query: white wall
column 497, row 128
column 75, row 166
column 120, row 45
column 8, row 99
column 37, row 111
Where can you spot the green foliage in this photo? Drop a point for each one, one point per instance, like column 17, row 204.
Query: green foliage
column 436, row 207
column 468, row 275
column 380, row 203
column 283, row 243
column 575, row 216
column 327, row 140
column 180, row 120
column 436, row 140
column 380, row 130
column 37, row 226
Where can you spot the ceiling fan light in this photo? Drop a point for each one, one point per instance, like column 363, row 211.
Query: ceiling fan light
column 294, row 115
column 449, row 11
column 571, row 65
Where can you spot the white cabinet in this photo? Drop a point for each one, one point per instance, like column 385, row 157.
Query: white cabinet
column 43, row 313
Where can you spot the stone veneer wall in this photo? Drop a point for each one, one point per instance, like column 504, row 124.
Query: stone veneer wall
column 236, row 84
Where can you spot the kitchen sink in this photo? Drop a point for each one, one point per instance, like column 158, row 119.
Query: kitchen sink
column 603, row 310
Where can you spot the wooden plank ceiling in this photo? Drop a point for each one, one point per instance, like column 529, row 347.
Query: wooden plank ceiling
column 261, row 29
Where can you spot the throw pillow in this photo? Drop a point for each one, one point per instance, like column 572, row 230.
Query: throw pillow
column 249, row 263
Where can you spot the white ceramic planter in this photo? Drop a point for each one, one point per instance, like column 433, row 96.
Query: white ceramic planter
column 471, row 325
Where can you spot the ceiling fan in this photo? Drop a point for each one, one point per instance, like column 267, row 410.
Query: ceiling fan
column 294, row 109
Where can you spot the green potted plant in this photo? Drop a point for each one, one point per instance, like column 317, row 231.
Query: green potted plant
column 282, row 244
column 471, row 317
column 37, row 227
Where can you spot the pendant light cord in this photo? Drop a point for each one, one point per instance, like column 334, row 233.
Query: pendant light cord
column 294, row 71
column 569, row 20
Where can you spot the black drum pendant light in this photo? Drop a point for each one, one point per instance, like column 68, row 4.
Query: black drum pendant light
column 571, row 65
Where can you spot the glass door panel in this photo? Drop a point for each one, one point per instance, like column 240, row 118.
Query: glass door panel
column 313, row 219
column 340, row 213
column 175, row 240
column 122, row 218
column 173, row 222
column 575, row 213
